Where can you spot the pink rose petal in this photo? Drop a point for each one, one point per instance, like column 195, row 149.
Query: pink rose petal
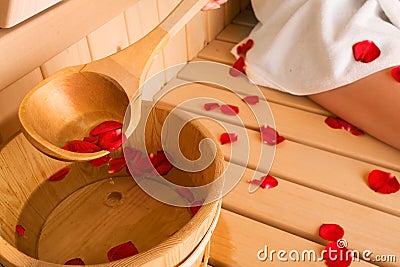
column 132, row 154
column 122, row 251
column 251, row 100
column 227, row 138
column 105, row 127
column 186, row 194
column 229, row 110
column 383, row 182
column 60, row 175
column 238, row 67
column 396, row 73
column 270, row 136
column 331, row 232
column 211, row 106
column 366, row 51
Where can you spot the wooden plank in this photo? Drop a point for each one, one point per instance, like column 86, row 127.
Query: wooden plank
column 293, row 161
column 108, row 39
column 234, row 33
column 237, row 240
column 246, row 18
column 10, row 98
column 196, row 34
column 165, row 7
column 46, row 27
column 76, row 54
column 215, row 22
column 232, row 9
column 286, row 207
column 141, row 18
column 245, row 4
column 175, row 53
column 218, row 51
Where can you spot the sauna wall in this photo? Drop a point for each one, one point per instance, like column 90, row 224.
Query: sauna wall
column 128, row 26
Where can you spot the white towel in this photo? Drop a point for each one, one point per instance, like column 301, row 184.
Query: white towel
column 305, row 46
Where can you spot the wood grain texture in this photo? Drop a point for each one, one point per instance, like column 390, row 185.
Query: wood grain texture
column 196, row 34
column 246, row 18
column 108, row 39
column 232, row 9
column 234, row 33
column 76, row 54
column 141, row 18
column 175, row 53
column 238, row 239
column 215, row 22
column 46, row 27
column 165, row 7
column 10, row 98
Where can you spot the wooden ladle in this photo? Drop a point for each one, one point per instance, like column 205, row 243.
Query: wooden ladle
column 68, row 104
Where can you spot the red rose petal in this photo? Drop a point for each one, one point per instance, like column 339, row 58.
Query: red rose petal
column 211, row 106
column 100, row 161
column 336, row 256
column 157, row 159
column 58, row 176
column 270, row 136
column 244, row 47
column 162, row 169
column 366, row 51
column 331, row 232
column 266, row 182
column 132, row 154
column 227, row 138
column 81, row 147
column 383, row 182
column 76, row 261
column 20, row 230
column 396, row 73
column 144, row 164
column 90, row 139
column 114, row 146
column 229, row 110
column 238, row 67
column 186, row 194
column 116, row 165
column 333, row 123
column 122, row 251
column 107, row 139
column 194, row 208
column 338, row 123
column 251, row 100
column 105, row 127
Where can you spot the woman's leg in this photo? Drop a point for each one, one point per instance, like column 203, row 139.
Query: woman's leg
column 372, row 104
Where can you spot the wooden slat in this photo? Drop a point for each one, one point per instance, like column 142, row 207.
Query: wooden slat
column 141, row 18
column 196, row 34
column 325, row 171
column 232, row 9
column 10, row 98
column 175, row 52
column 244, row 4
column 57, row 29
column 219, row 51
column 237, row 240
column 108, row 39
column 246, row 18
column 74, row 55
column 303, row 216
column 165, row 7
column 215, row 23
column 234, row 33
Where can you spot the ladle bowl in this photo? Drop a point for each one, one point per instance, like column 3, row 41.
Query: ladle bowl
column 68, row 104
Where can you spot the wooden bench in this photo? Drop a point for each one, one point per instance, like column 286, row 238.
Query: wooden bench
column 322, row 173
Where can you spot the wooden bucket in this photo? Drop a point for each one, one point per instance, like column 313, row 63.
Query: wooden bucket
column 47, row 223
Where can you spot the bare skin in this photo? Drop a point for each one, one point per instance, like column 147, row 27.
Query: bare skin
column 372, row 104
